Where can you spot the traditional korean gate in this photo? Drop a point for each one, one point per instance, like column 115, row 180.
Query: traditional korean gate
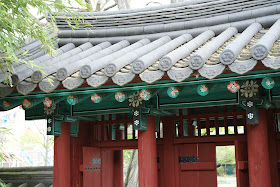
column 195, row 165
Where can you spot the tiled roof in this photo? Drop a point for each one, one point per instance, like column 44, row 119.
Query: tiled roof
column 201, row 40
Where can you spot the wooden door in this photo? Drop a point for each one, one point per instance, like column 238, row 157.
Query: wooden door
column 195, row 165
column 91, row 167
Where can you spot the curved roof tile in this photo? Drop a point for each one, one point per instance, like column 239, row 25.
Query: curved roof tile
column 226, row 35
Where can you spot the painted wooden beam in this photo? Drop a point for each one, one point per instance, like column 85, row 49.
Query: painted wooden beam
column 29, row 103
column 160, row 84
column 9, row 104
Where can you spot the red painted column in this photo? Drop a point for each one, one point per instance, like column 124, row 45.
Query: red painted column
column 272, row 147
column 147, row 155
column 76, row 148
column 258, row 153
column 61, row 168
column 118, row 168
column 167, row 163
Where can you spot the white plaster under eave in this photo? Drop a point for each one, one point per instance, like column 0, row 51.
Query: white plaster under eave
column 151, row 76
column 270, row 62
column 211, row 71
column 241, row 67
column 179, row 74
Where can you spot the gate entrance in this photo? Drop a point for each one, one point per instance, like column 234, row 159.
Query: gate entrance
column 226, row 167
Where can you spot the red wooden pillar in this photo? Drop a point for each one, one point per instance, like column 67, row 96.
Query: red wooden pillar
column 167, row 163
column 147, row 155
column 272, row 147
column 76, row 148
column 118, row 168
column 258, row 152
column 61, row 168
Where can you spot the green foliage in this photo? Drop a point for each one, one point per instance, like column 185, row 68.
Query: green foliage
column 17, row 24
column 221, row 171
column 126, row 158
column 225, row 158
column 2, row 184
column 225, row 154
column 29, row 138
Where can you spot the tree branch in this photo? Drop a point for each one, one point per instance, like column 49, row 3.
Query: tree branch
column 155, row 2
column 109, row 7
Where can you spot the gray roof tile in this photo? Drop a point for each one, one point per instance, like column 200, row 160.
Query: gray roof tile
column 262, row 48
column 198, row 59
column 160, row 40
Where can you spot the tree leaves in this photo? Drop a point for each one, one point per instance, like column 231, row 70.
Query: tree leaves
column 18, row 25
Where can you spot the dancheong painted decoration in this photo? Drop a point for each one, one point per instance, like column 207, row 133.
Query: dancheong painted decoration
column 26, row 103
column 233, row 86
column 5, row 105
column 268, row 83
column 96, row 98
column 172, row 82
column 47, row 102
column 202, row 90
column 173, row 92
column 145, row 94
column 72, row 100
column 249, row 89
column 120, row 96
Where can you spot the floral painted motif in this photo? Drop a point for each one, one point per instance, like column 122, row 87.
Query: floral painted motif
column 250, row 115
column 120, row 96
column 50, row 110
column 233, row 86
column 72, row 100
column 202, row 90
column 6, row 105
column 250, row 104
column 173, row 92
column 268, row 83
column 145, row 94
column 96, row 98
column 249, row 89
column 26, row 103
column 47, row 102
column 135, row 100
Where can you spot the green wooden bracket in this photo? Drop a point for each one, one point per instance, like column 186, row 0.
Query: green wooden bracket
column 70, row 119
column 57, row 128
column 139, row 119
column 54, row 125
column 252, row 96
column 74, row 128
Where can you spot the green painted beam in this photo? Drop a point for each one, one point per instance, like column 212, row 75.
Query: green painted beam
column 157, row 85
column 103, row 112
column 199, row 104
